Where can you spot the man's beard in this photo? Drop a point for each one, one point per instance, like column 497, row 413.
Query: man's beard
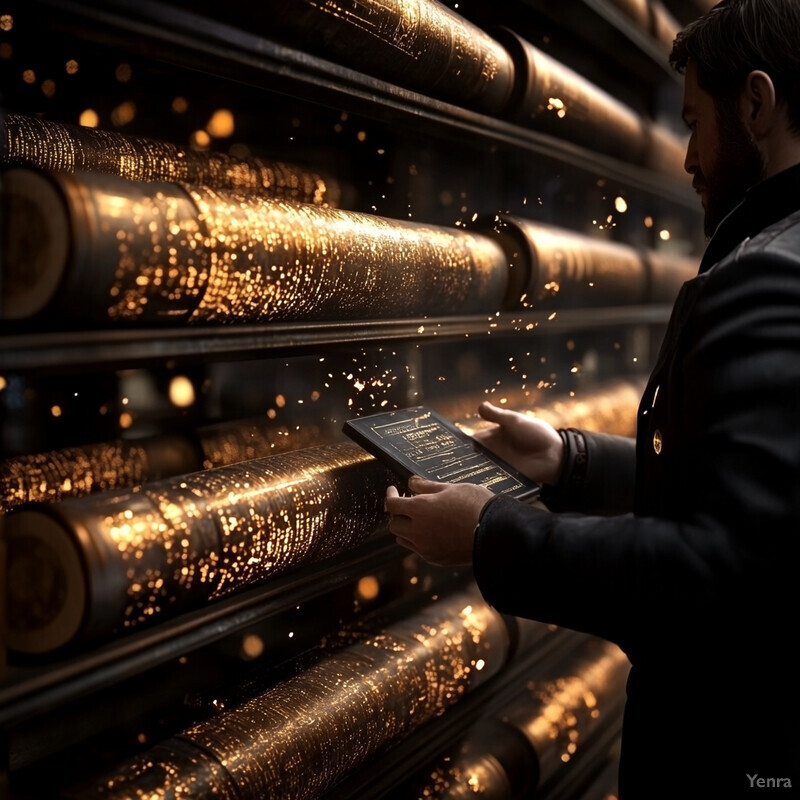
column 738, row 166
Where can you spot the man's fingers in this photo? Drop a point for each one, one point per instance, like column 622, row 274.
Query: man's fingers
column 422, row 486
column 490, row 413
column 400, row 526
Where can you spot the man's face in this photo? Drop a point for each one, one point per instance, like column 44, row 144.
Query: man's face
column 721, row 156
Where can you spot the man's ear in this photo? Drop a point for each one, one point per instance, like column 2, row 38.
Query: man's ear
column 757, row 103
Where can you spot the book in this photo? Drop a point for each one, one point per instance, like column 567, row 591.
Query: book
column 419, row 441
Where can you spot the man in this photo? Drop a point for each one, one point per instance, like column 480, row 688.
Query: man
column 684, row 547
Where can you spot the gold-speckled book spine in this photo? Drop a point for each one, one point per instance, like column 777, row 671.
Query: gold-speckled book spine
column 160, row 253
column 121, row 559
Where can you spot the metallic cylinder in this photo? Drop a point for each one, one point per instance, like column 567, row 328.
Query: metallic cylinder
column 418, row 44
column 102, row 467
column 560, row 715
column 537, row 736
column 299, row 738
column 56, row 147
column 555, row 99
column 636, row 10
column 228, row 442
column 557, row 268
column 652, row 18
column 104, row 249
column 668, row 272
column 493, row 761
column 665, row 26
column 91, row 566
column 666, row 152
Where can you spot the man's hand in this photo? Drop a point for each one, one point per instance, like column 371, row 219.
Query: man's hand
column 438, row 521
column 531, row 445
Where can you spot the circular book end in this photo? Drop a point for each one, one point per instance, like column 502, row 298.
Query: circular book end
column 47, row 585
column 35, row 242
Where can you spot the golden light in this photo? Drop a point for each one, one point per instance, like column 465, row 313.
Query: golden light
column 201, row 139
column 221, row 124
column 89, row 118
column 181, row 391
column 71, row 66
column 125, row 420
column 29, row 76
column 6, row 22
column 621, row 205
column 252, row 646
column 55, row 411
column 368, row 587
column 180, row 104
column 664, row 235
column 123, row 113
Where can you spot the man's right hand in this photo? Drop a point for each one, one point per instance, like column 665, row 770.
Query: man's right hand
column 531, row 445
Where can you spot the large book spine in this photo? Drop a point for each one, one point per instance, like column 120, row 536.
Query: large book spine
column 115, row 561
column 111, row 250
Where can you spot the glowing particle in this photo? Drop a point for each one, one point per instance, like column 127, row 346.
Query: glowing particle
column 368, row 587
column 181, row 391
column 89, row 118
column 200, row 139
column 221, row 124
column 621, row 205
column 252, row 646
column 123, row 113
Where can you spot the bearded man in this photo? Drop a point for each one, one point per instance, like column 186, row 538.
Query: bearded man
column 681, row 546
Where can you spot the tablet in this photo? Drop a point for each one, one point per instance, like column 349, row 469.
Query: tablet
column 418, row 441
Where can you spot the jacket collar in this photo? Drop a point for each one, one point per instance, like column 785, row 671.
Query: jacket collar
column 763, row 205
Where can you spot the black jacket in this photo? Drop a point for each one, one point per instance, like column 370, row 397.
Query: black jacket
column 694, row 573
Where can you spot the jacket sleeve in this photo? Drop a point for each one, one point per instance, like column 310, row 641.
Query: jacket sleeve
column 723, row 561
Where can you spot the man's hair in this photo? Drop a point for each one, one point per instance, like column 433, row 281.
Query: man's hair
column 738, row 36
